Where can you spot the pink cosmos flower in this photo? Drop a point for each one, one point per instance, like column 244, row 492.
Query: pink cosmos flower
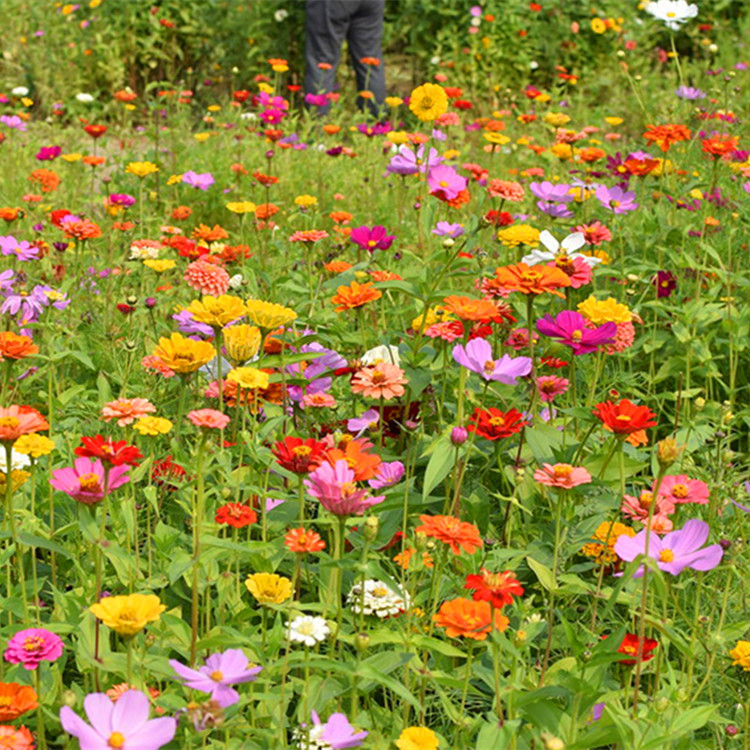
column 200, row 181
column 127, row 410
column 561, row 476
column 445, row 180
column 638, row 508
column 209, row 418
column 616, row 199
column 676, row 551
column 29, row 647
column 681, row 489
column 571, row 329
column 476, row 356
column 84, row 481
column 221, row 670
column 336, row 733
column 334, row 486
column 367, row 421
column 550, row 386
column 124, row 724
column 372, row 239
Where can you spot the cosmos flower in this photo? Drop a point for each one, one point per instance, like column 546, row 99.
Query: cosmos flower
column 476, row 356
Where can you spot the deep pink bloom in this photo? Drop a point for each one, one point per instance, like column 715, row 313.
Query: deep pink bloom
column 334, row 486
column 570, row 328
column 123, row 724
column 29, row 647
column 551, row 386
column 446, row 180
column 682, row 489
column 84, row 481
column 477, row 357
column 210, row 418
column 372, row 239
column 676, row 551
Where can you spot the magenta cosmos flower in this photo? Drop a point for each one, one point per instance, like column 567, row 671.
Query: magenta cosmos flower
column 124, row 724
column 675, row 551
column 446, row 180
column 372, row 239
column 336, row 733
column 477, row 357
column 200, row 181
column 29, row 647
column 334, row 487
column 219, row 672
column 84, row 481
column 570, row 328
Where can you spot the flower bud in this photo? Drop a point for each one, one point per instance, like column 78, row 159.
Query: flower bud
column 459, row 435
column 553, row 743
column 667, row 452
column 241, row 342
column 700, row 403
column 449, row 242
column 520, row 637
column 731, row 730
column 371, row 527
column 362, row 642
column 69, row 698
column 661, row 704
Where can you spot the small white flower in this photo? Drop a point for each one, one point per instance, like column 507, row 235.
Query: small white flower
column 308, row 630
column 143, row 253
column 20, row 91
column 17, row 461
column 235, row 282
column 435, row 60
column 569, row 247
column 475, row 21
column 672, row 12
column 378, row 599
column 382, row 353
column 248, row 116
column 84, row 98
column 533, row 64
column 280, row 15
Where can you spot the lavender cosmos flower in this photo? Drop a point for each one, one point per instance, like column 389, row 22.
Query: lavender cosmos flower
column 675, row 551
column 570, row 328
column 388, row 474
column 14, row 122
column 367, row 421
column 372, row 239
column 551, row 193
column 446, row 229
column 334, row 487
column 200, row 181
column 20, row 248
column 689, row 93
column 30, row 646
column 7, row 279
column 407, row 162
column 336, row 733
column 446, row 180
column 123, row 724
column 188, row 324
column 476, row 356
column 221, row 670
column 616, row 199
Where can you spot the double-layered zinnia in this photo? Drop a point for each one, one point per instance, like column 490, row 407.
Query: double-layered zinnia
column 458, row 535
column 184, row 355
column 269, row 588
column 242, row 342
column 128, row 615
column 355, row 295
column 268, row 315
column 466, row 618
column 20, row 420
column 217, row 311
column 428, row 102
column 533, row 280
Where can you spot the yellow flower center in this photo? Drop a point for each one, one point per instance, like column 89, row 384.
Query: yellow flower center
column 372, row 243
column 497, row 421
column 89, row 482
column 380, row 592
column 33, row 644
column 377, row 377
column 10, row 422
column 576, row 335
column 217, row 676
column 666, row 555
column 680, row 490
column 348, row 488
column 489, row 366
column 530, row 277
column 614, row 204
column 623, row 418
column 563, row 470
column 116, row 739
column 306, row 628
column 302, row 450
column 646, row 499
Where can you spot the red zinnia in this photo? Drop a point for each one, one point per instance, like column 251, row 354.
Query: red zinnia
column 111, row 452
column 496, row 588
column 625, row 418
column 297, row 455
column 236, row 515
column 166, row 472
column 494, row 424
column 96, row 131
column 632, row 646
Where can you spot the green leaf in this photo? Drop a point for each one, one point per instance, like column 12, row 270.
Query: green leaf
column 440, row 463
column 31, row 540
column 543, row 573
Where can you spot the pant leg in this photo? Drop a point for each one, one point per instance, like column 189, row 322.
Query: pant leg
column 326, row 26
column 365, row 39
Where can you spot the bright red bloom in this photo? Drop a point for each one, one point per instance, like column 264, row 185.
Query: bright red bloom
column 625, row 418
column 96, row 131
column 631, row 646
column 297, row 455
column 166, row 472
column 494, row 424
column 236, row 515
column 111, row 452
column 496, row 588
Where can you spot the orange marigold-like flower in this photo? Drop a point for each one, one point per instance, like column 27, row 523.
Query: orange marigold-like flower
column 532, row 279
column 207, row 278
column 15, row 700
column 265, row 211
column 383, row 380
column 340, row 217
column 309, row 236
column 85, row 229
column 719, row 145
column 384, row 276
column 11, row 214
column 337, row 266
column 355, row 453
column 209, row 234
column 466, row 618
column 181, row 213
column 665, row 135
column 16, row 739
column 475, row 310
column 14, row 346
column 355, row 295
column 457, row 534
column 47, row 178
column 303, row 541
column 127, row 410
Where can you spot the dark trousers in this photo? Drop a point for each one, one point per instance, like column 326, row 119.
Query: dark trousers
column 360, row 22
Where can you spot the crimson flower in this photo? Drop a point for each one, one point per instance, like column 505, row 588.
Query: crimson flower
column 297, row 455
column 236, row 515
column 632, row 646
column 111, row 452
column 496, row 588
column 494, row 424
column 627, row 419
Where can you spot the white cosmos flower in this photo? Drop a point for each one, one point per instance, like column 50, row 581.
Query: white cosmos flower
column 236, row 281
column 382, row 353
column 570, row 245
column 308, row 630
column 20, row 91
column 672, row 12
column 17, row 461
column 84, row 98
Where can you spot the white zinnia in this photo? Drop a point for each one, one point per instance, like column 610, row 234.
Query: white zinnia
column 280, row 15
column 570, row 245
column 308, row 630
column 17, row 461
column 378, row 599
column 672, row 12
column 20, row 91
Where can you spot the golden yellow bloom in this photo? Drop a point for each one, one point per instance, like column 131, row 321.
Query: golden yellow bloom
column 34, row 445
column 184, row 355
column 741, row 655
column 558, row 119
column 432, row 316
column 95, row 3
column 141, row 168
column 606, row 536
column 417, row 738
column 202, row 137
column 174, row 179
column 603, row 255
column 497, row 138
column 562, row 151
column 519, row 234
column 18, row 477
column 580, row 193
column 153, row 426
column 249, row 378
column 128, row 615
column 72, row 157
column 279, row 68
column 242, row 342
column 598, row 25
column 613, row 121
column 265, row 87
column 604, row 311
column 665, row 165
column 428, row 102
column 159, row 266
column 451, row 153
column 268, row 315
column 241, row 207
column 306, row 200
column 394, row 101
column 269, row 588
column 213, row 108
column 397, row 137
column 217, row 311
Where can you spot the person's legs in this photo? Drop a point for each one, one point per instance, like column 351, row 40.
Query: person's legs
column 326, row 26
column 365, row 39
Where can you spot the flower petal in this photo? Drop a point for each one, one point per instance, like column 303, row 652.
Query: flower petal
column 152, row 735
column 98, row 708
column 88, row 738
column 130, row 712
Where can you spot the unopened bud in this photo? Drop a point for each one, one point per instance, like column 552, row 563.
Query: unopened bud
column 459, row 435
column 449, row 242
column 371, row 527
column 699, row 403
column 732, row 730
column 661, row 704
column 420, row 540
column 554, row 743
column 520, row 637
column 69, row 698
column 362, row 642
column 667, row 452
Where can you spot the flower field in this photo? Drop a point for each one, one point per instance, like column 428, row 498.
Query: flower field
column 423, row 431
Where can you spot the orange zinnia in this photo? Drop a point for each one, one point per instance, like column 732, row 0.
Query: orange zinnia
column 13, row 346
column 355, row 295
column 364, row 464
column 209, row 234
column 465, row 618
column 532, row 279
column 476, row 310
column 719, row 145
column 20, row 420
column 15, row 700
column 303, row 541
column 665, row 135
column 458, row 535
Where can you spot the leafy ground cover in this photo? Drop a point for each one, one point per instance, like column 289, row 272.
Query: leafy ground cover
column 423, row 432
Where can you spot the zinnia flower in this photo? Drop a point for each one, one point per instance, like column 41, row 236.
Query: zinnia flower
column 496, row 588
column 269, row 588
column 625, row 418
column 532, row 279
column 127, row 410
column 13, row 346
column 428, row 102
column 31, row 646
column 561, row 476
column 631, row 645
column 383, row 380
column 268, row 315
column 184, row 355
column 493, row 424
column 303, row 541
column 128, row 615
column 466, row 618
column 236, row 515
column 84, row 481
column 681, row 489
column 110, row 452
column 207, row 278
column 458, row 535
column 741, row 655
column 16, row 700
column 16, row 739
column 20, row 420
column 297, row 455
column 334, row 486
column 211, row 419
column 355, row 295
column 417, row 738
column 217, row 311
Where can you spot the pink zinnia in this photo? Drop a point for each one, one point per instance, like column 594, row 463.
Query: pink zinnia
column 519, row 339
column 207, row 278
column 506, row 190
column 681, row 489
column 639, row 507
column 561, row 476
column 382, row 380
column 127, row 410
column 29, row 647
column 624, row 338
column 210, row 418
column 550, row 386
column 318, row 400
column 334, row 486
column 447, row 330
column 577, row 269
column 84, row 481
column 152, row 362
column 594, row 233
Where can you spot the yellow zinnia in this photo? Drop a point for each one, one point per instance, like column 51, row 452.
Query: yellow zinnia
column 34, row 445
column 217, row 311
column 519, row 234
column 159, row 265
column 394, row 101
column 741, row 655
column 184, row 355
column 269, row 588
column 268, row 315
column 497, row 138
column 558, row 119
column 249, row 378
column 242, row 342
column 604, row 311
column 428, row 102
column 306, row 200
column 141, row 168
column 153, row 426
column 241, row 207
column 417, row 738
column 128, row 615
